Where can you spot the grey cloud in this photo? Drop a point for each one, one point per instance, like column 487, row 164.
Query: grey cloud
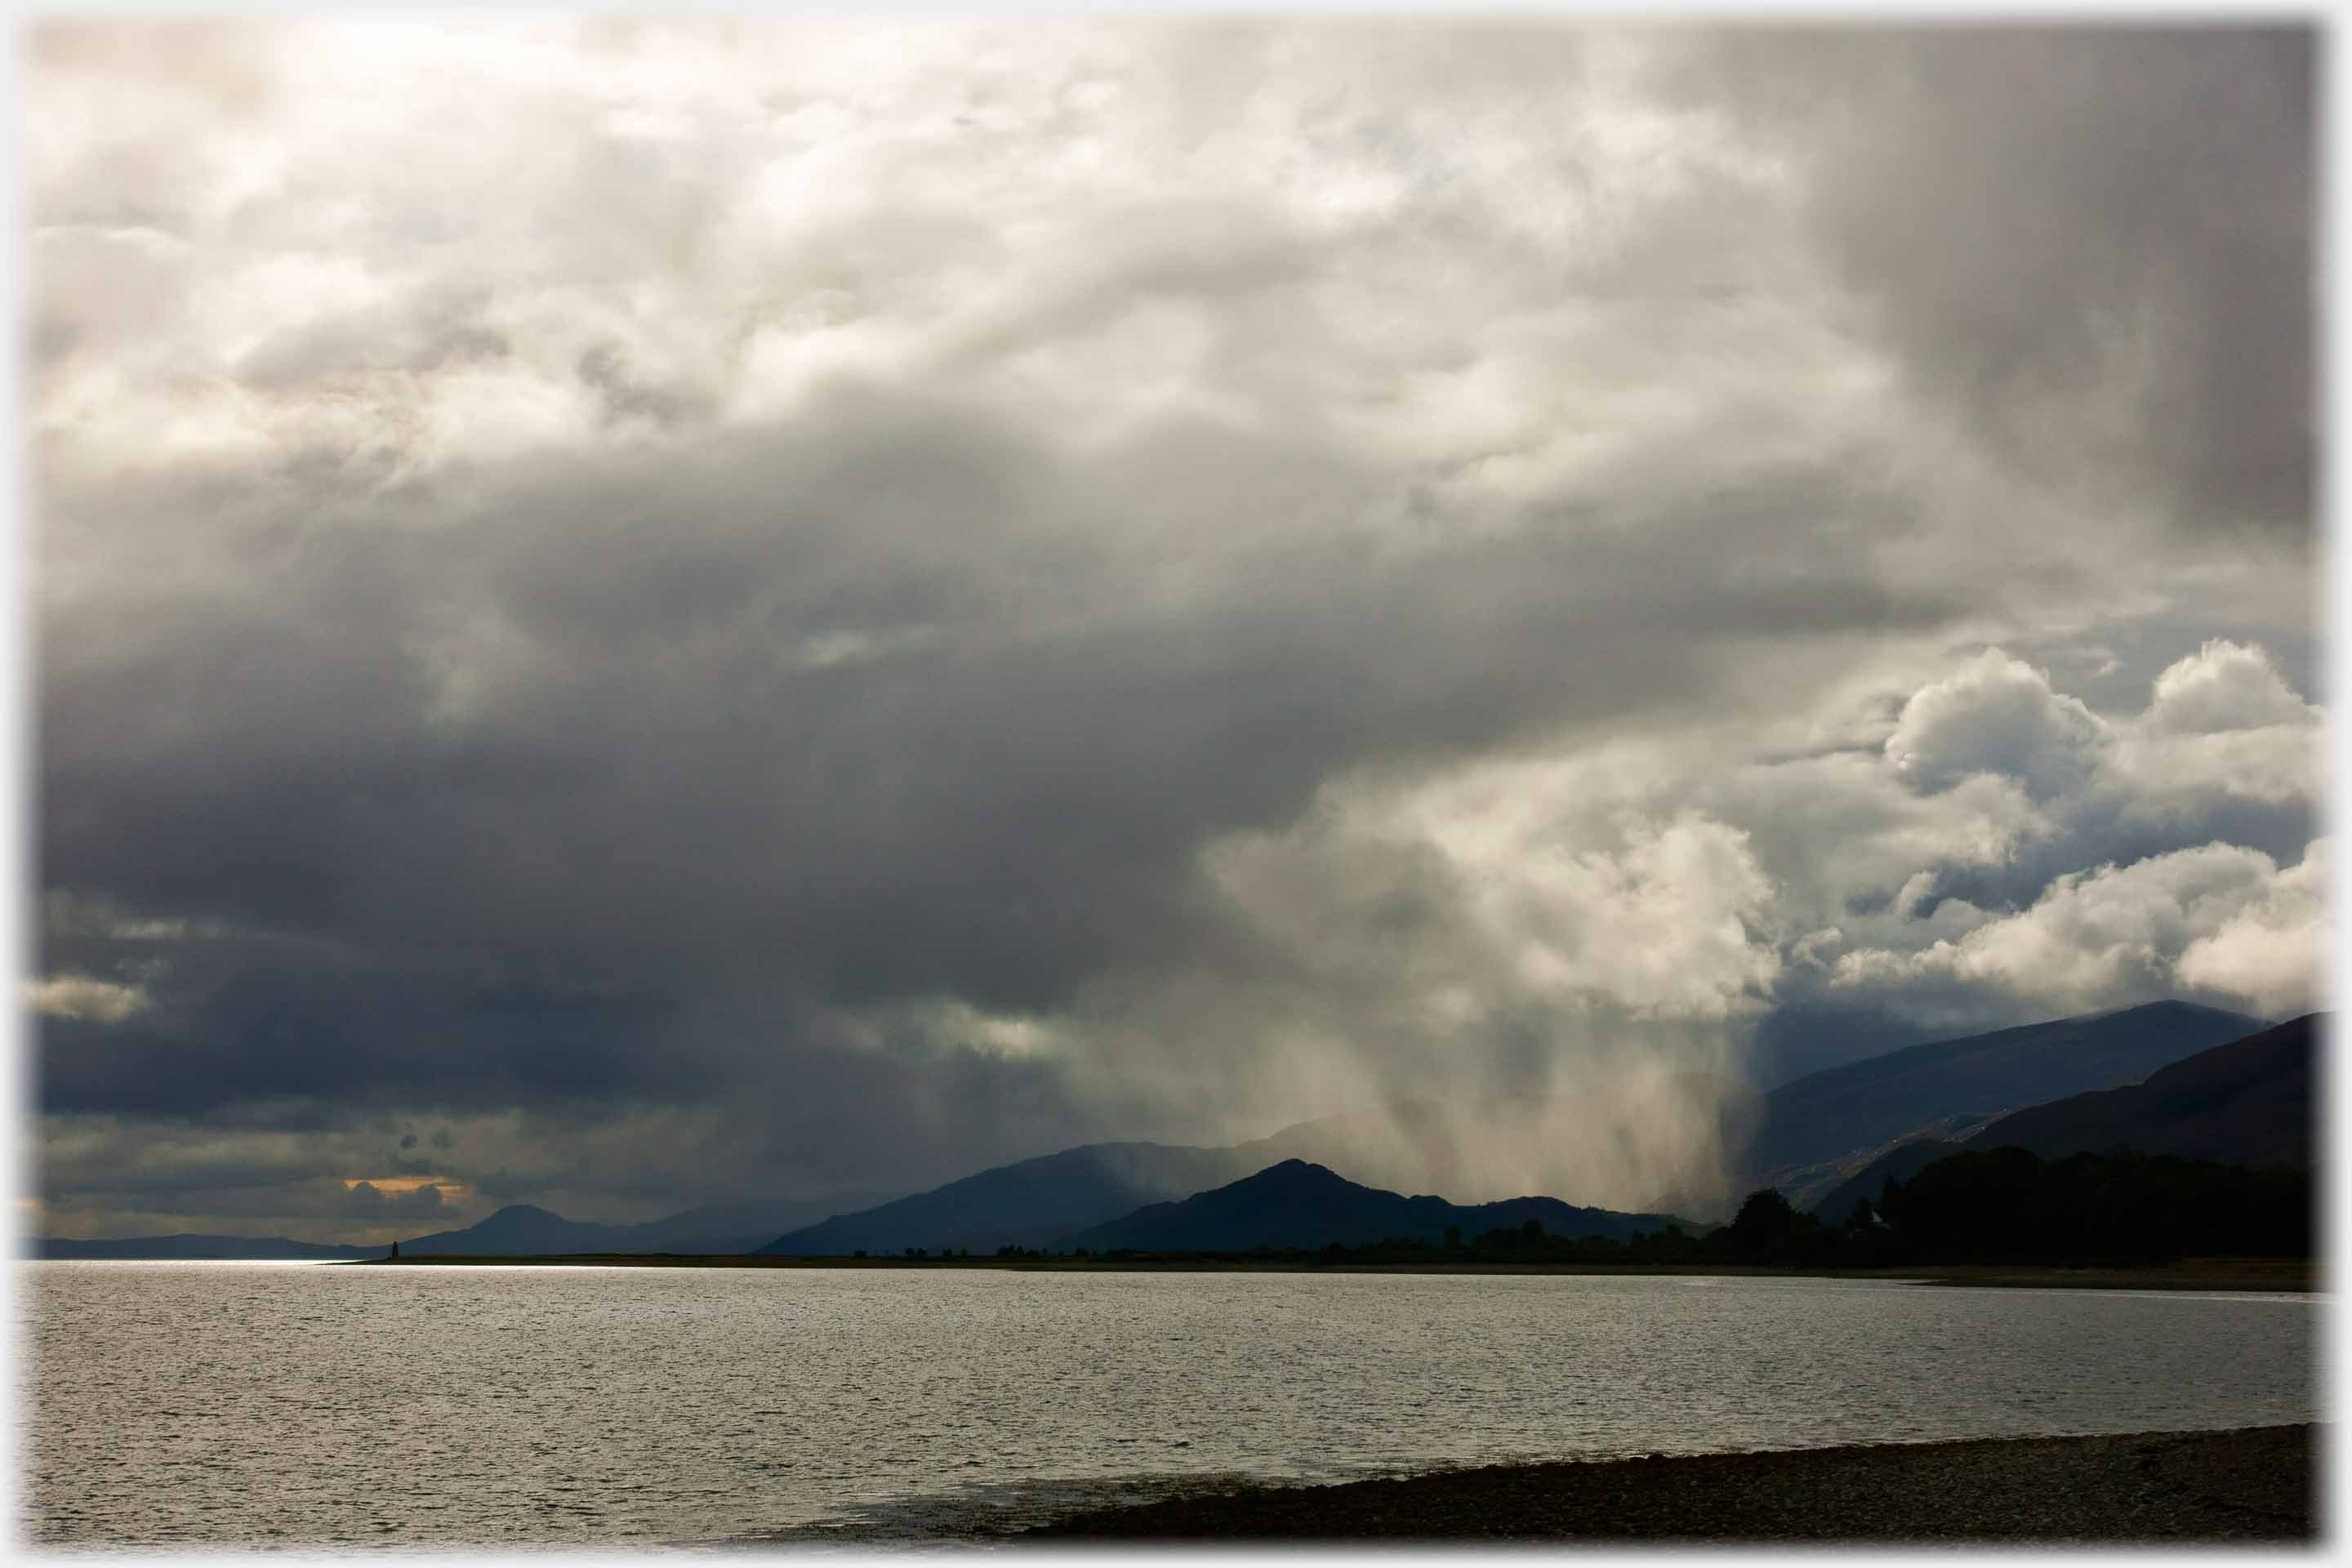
column 2099, row 240
column 994, row 816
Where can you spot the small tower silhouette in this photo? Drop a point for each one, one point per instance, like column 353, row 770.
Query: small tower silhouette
column 395, row 1251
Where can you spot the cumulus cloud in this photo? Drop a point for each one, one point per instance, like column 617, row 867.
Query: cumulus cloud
column 1997, row 715
column 2216, row 918
column 2274, row 950
column 2222, row 689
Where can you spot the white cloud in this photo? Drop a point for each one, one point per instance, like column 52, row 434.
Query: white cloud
column 1997, row 714
column 2223, row 722
column 1660, row 928
column 2224, row 688
column 2273, row 951
column 2218, row 917
column 1547, row 886
column 86, row 997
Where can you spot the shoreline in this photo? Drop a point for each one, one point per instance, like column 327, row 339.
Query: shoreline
column 2283, row 1276
column 2238, row 1484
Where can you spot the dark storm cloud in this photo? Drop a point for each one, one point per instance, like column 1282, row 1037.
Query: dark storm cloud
column 2099, row 241
column 649, row 773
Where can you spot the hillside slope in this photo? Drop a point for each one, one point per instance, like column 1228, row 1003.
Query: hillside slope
column 1295, row 1204
column 1033, row 1202
column 2248, row 1102
column 1862, row 1104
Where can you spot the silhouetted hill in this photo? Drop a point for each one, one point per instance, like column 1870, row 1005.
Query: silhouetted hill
column 196, row 1249
column 2245, row 1103
column 1295, row 1204
column 1687, row 1143
column 1903, row 1162
column 525, row 1229
column 1644, row 1142
column 1867, row 1103
column 1663, row 1139
column 1033, row 1202
column 519, row 1229
column 1809, row 1187
column 744, row 1226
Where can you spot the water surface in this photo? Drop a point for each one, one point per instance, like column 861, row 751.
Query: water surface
column 209, row 1404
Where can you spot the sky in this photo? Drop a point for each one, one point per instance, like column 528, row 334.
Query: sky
column 625, row 614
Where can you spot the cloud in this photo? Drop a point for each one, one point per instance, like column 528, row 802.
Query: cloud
column 2273, row 951
column 425, row 1203
column 1503, row 889
column 2225, row 725
column 1996, row 715
column 790, row 607
column 2217, row 918
column 2222, row 689
column 2010, row 202
column 86, row 997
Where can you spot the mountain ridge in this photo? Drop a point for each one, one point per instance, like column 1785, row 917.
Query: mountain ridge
column 1849, row 1108
column 1298, row 1203
column 2248, row 1101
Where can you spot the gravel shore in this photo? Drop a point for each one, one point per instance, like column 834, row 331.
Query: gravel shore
column 2253, row 1485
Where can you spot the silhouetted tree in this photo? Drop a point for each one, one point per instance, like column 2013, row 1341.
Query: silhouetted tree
column 1764, row 1228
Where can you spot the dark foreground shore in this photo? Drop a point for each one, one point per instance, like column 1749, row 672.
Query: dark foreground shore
column 2254, row 1484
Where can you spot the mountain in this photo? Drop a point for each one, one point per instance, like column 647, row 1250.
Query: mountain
column 1867, row 1103
column 1903, row 1162
column 1661, row 1139
column 2247, row 1102
column 1686, row 1142
column 732, row 1227
column 525, row 1230
column 1295, row 1204
column 1640, row 1141
column 1807, row 1187
column 520, row 1229
column 1034, row 1203
column 198, row 1248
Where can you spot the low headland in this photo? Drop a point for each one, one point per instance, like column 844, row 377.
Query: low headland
column 2247, row 1485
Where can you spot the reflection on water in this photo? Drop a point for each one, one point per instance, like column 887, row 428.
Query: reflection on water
column 292, row 1403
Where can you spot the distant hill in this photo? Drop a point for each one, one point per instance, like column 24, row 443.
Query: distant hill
column 1903, row 1162
column 1865, row 1104
column 2249, row 1103
column 518, row 1228
column 731, row 1227
column 1805, row 1186
column 526, row 1230
column 2246, row 1102
column 1638, row 1141
column 1663, row 1141
column 1295, row 1204
column 196, row 1249
column 1034, row 1203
